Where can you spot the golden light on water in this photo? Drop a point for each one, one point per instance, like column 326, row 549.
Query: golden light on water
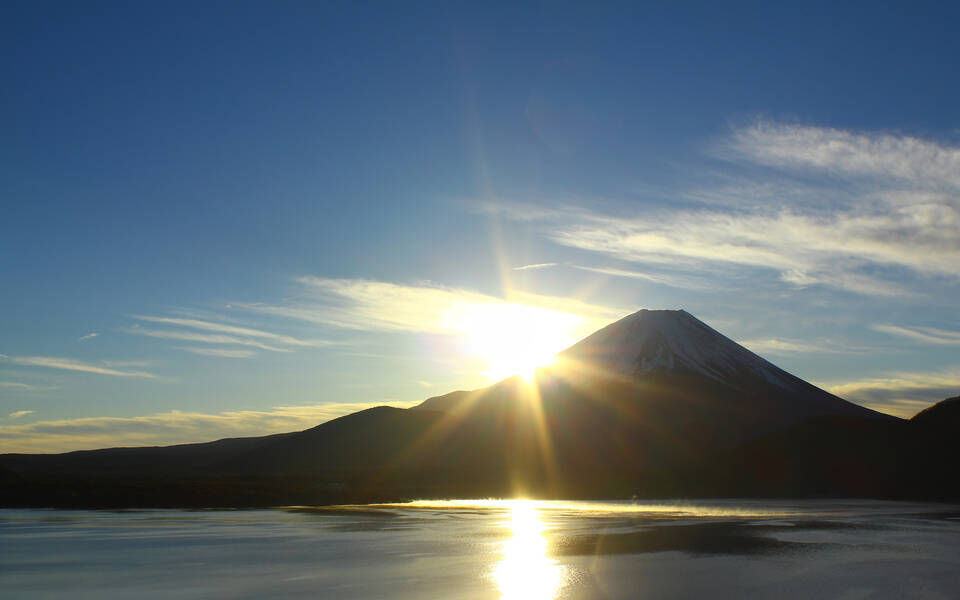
column 525, row 571
column 513, row 339
column 660, row 509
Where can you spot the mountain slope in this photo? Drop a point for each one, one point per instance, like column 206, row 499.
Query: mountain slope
column 656, row 404
column 649, row 342
column 942, row 415
column 675, row 366
column 647, row 399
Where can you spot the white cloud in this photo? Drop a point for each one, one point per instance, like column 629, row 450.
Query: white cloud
column 784, row 347
column 88, row 336
column 900, row 394
column 871, row 212
column 593, row 316
column 929, row 335
column 16, row 385
column 381, row 306
column 20, row 413
column 203, row 338
column 232, row 330
column 202, row 331
column 660, row 278
column 68, row 364
column 534, row 267
column 219, row 352
column 806, row 250
column 478, row 334
column 846, row 153
column 128, row 363
column 836, row 277
column 172, row 427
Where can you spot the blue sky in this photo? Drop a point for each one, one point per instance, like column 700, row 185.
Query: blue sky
column 238, row 218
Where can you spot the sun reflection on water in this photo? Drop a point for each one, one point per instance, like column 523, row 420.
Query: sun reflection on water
column 525, row 571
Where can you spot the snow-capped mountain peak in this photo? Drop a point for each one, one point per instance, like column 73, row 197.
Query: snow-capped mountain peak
column 652, row 340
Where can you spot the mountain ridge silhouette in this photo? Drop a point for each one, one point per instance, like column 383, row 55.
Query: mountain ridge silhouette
column 657, row 404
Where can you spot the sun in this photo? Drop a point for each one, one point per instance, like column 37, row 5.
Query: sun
column 514, row 339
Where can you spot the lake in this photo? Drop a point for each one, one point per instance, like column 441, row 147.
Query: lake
column 489, row 549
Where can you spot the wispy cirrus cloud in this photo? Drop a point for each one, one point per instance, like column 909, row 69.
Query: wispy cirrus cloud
column 535, row 267
column 678, row 281
column 23, row 387
column 861, row 212
column 929, row 335
column 173, row 427
column 221, row 352
column 123, row 364
column 69, row 364
column 902, row 394
column 802, row 249
column 779, row 346
column 232, row 330
column 211, row 332
column 19, row 413
column 883, row 155
column 202, row 338
column 477, row 334
column 369, row 305
column 89, row 336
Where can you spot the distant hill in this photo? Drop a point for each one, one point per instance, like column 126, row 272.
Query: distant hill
column 942, row 415
column 657, row 404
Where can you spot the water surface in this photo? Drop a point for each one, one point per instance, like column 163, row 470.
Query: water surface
column 489, row 549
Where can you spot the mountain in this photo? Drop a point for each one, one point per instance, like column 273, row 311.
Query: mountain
column 657, row 404
column 671, row 358
column 663, row 341
column 942, row 415
column 936, row 446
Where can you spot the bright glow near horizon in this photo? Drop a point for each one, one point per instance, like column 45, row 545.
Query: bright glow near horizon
column 513, row 339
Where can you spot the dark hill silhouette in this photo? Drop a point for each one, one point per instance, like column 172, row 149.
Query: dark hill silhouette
column 657, row 404
column 936, row 432
column 942, row 415
column 158, row 460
